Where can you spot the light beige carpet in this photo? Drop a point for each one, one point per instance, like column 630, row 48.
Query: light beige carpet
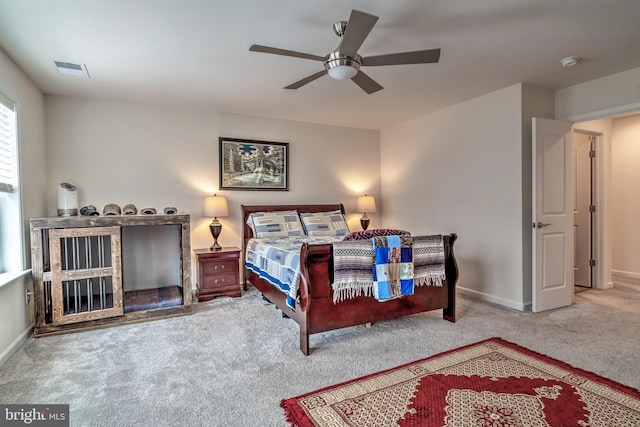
column 233, row 360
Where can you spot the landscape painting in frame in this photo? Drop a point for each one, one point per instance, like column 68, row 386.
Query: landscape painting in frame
column 253, row 165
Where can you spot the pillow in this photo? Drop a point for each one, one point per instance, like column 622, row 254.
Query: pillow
column 265, row 214
column 367, row 234
column 324, row 223
column 275, row 224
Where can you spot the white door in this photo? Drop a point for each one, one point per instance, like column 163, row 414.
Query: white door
column 582, row 202
column 552, row 215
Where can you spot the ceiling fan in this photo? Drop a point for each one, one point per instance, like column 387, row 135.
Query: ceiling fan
column 345, row 62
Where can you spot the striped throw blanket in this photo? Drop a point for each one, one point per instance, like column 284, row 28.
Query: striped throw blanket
column 353, row 263
column 428, row 260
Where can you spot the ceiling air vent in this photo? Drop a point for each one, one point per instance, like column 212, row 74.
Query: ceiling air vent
column 79, row 70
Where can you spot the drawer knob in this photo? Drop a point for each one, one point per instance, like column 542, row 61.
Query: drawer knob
column 219, row 266
column 221, row 280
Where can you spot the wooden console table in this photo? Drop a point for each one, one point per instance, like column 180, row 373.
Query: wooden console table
column 95, row 271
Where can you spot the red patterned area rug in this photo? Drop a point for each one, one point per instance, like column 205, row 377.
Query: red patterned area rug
column 493, row 383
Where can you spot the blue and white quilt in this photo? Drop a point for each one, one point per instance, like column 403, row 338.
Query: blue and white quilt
column 277, row 260
column 393, row 267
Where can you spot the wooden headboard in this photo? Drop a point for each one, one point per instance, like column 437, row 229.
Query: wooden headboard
column 247, row 233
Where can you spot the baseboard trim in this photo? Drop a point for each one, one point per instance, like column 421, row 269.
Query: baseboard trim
column 16, row 344
column 494, row 299
column 626, row 277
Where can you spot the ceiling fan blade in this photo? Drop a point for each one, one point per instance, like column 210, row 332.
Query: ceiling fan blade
column 358, row 28
column 366, row 83
column 285, row 52
column 306, row 80
column 417, row 57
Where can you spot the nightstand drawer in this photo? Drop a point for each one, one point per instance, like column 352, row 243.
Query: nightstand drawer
column 219, row 267
column 219, row 281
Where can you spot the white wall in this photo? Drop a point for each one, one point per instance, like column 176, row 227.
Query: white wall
column 122, row 152
column 460, row 170
column 157, row 156
column 328, row 164
column 15, row 316
column 625, row 203
column 611, row 94
column 536, row 102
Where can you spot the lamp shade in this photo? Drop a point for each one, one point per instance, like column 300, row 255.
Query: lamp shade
column 366, row 204
column 215, row 206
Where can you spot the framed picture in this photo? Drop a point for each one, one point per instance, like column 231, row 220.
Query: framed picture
column 253, row 165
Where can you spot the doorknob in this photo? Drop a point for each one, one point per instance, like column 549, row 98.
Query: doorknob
column 540, row 224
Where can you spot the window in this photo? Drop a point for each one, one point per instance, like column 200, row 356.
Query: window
column 10, row 217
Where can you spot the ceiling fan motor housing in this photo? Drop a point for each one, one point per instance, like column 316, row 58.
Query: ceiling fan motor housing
column 341, row 66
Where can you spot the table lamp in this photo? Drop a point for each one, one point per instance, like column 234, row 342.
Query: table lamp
column 215, row 206
column 365, row 204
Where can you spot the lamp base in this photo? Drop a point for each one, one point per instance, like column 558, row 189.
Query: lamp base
column 215, row 228
column 364, row 222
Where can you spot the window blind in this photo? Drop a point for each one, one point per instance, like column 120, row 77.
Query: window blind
column 7, row 145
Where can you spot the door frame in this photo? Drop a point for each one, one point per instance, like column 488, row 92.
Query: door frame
column 584, row 121
column 601, row 273
column 593, row 200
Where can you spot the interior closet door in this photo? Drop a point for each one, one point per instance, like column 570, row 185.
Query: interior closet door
column 582, row 207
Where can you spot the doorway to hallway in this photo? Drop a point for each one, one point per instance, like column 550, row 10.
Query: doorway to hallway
column 584, row 207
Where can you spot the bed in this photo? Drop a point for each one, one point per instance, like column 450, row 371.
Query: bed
column 315, row 310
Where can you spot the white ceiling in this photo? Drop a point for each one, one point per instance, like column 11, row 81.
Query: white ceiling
column 195, row 52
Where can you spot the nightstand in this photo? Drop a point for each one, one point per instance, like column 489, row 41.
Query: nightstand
column 218, row 273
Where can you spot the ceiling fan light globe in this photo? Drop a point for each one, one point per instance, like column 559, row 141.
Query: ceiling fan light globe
column 342, row 67
column 342, row 72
